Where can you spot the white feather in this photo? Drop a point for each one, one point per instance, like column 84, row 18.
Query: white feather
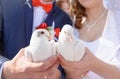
column 40, row 47
column 68, row 46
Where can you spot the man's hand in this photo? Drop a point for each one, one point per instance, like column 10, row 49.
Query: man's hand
column 20, row 68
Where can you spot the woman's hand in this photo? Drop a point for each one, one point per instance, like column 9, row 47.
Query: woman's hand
column 77, row 69
column 20, row 68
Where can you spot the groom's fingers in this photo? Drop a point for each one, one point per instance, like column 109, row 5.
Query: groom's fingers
column 62, row 60
column 42, row 66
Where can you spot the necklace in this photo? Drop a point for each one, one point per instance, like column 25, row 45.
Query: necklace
column 89, row 27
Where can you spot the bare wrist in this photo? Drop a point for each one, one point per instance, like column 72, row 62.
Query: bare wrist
column 96, row 65
column 88, row 61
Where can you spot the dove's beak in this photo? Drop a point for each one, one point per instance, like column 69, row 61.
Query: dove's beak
column 49, row 37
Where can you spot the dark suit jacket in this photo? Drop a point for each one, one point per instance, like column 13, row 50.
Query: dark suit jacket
column 16, row 21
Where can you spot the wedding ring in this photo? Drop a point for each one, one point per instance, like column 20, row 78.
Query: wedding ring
column 82, row 76
column 45, row 77
column 86, row 76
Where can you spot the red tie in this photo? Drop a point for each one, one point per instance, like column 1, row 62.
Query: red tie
column 46, row 7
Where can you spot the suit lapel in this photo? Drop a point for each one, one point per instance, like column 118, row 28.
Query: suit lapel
column 28, row 19
column 51, row 16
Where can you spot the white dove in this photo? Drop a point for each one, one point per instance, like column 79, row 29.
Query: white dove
column 68, row 46
column 40, row 47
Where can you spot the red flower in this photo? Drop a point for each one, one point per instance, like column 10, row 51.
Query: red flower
column 57, row 31
column 45, row 26
column 42, row 26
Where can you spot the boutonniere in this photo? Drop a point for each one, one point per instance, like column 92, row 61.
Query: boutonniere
column 54, row 32
column 57, row 31
column 27, row 2
column 42, row 26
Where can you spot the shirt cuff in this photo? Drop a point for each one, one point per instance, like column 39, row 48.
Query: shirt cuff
column 1, row 68
column 2, row 62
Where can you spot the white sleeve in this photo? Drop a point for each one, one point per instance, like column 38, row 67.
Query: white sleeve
column 113, row 7
column 112, row 4
column 116, row 59
column 116, row 62
column 2, row 61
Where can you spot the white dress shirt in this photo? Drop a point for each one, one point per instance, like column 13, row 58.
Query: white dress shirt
column 39, row 15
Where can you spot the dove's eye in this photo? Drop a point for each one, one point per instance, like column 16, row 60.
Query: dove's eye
column 42, row 32
column 39, row 33
column 65, row 32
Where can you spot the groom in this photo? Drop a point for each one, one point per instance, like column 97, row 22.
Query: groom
column 19, row 18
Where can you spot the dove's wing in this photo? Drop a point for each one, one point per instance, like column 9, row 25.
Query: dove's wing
column 79, row 50
column 42, row 52
column 66, row 50
column 28, row 54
